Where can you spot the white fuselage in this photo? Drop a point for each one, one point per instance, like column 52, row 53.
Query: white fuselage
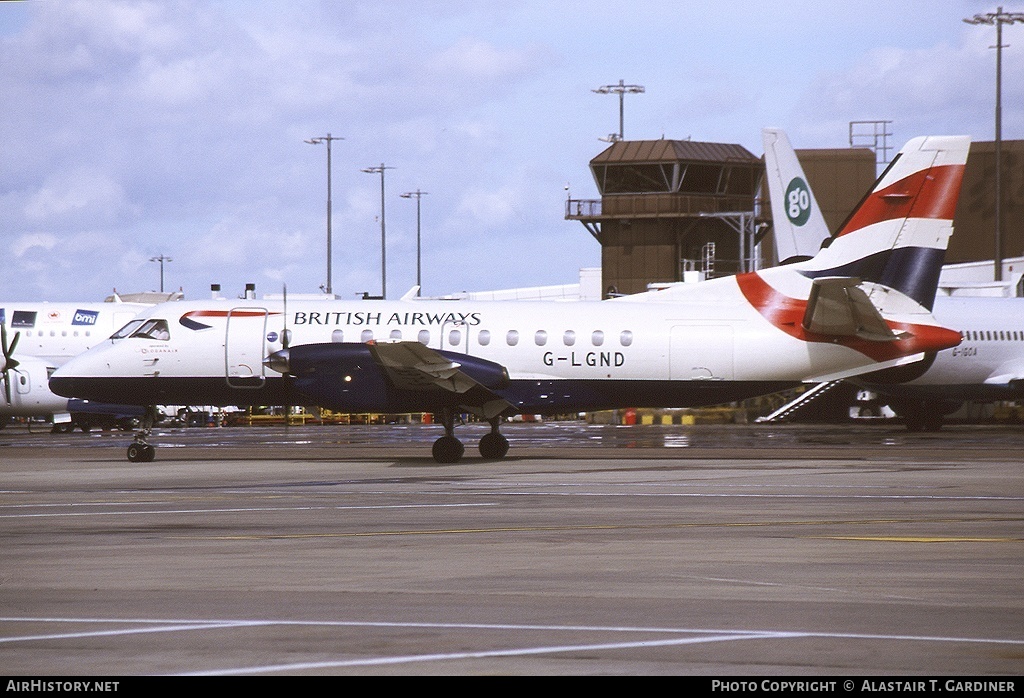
column 991, row 356
column 708, row 347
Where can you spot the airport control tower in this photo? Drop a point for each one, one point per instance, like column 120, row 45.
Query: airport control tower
column 671, row 210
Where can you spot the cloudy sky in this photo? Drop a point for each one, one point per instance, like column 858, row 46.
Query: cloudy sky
column 135, row 129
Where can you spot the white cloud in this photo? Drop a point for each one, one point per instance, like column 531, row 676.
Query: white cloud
column 133, row 128
column 81, row 196
column 32, row 241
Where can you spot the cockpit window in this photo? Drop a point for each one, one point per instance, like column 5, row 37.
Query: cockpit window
column 144, row 329
column 127, row 330
column 153, row 329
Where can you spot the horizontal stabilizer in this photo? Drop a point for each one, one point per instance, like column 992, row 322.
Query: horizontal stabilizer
column 838, row 307
column 854, row 372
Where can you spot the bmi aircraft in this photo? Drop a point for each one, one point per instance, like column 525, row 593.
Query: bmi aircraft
column 37, row 337
column 988, row 365
column 859, row 305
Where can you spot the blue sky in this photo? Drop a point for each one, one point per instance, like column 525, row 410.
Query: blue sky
column 137, row 129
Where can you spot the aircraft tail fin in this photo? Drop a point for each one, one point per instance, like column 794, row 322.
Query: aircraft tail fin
column 872, row 285
column 798, row 226
column 896, row 239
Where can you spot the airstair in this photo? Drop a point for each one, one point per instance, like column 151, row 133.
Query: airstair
column 799, row 402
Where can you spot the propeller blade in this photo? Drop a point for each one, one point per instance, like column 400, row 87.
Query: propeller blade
column 8, row 350
column 285, row 339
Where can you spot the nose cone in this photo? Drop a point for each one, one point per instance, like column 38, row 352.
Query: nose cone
column 278, row 361
column 65, row 382
column 84, row 376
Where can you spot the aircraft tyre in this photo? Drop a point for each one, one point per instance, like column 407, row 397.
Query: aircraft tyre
column 141, row 453
column 493, row 446
column 922, row 416
column 448, row 449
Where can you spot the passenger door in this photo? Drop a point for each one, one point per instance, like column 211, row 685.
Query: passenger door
column 243, row 347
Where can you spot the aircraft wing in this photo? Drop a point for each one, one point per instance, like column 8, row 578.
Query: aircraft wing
column 837, row 306
column 413, row 366
column 1009, row 376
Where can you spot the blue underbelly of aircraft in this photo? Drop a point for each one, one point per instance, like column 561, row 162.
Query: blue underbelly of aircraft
column 371, row 392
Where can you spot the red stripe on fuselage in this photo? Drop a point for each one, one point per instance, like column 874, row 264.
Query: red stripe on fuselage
column 225, row 313
column 787, row 314
column 930, row 193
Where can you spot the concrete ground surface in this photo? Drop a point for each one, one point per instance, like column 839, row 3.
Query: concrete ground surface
column 716, row 551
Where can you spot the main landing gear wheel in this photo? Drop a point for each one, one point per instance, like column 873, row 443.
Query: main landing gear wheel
column 493, row 445
column 141, row 453
column 448, row 449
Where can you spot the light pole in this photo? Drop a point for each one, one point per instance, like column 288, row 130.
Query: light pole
column 417, row 195
column 317, row 141
column 998, row 18
column 383, row 254
column 161, row 259
column 621, row 89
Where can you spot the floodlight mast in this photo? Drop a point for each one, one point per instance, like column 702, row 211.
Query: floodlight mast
column 998, row 18
column 161, row 259
column 383, row 236
column 621, row 89
column 317, row 141
column 416, row 195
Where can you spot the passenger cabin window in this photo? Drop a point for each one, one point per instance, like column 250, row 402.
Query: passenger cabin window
column 512, row 338
column 569, row 338
column 338, row 336
column 540, row 338
column 396, row 334
column 626, row 338
column 454, row 338
column 484, row 338
column 597, row 338
column 366, row 336
column 424, row 337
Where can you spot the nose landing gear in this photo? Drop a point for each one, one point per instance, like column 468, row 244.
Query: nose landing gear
column 140, row 451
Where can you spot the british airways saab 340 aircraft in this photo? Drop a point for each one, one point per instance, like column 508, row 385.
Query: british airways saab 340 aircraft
column 859, row 305
column 989, row 365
